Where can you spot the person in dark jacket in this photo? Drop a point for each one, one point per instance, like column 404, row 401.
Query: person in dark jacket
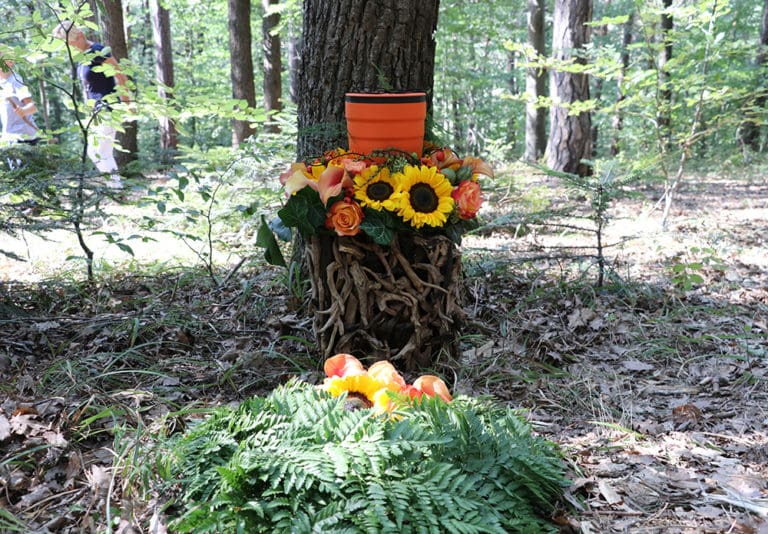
column 100, row 86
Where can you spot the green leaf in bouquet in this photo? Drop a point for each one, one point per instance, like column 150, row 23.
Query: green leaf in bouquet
column 377, row 225
column 456, row 230
column 303, row 211
column 282, row 231
column 266, row 239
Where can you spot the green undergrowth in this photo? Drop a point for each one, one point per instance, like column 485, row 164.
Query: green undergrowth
column 297, row 461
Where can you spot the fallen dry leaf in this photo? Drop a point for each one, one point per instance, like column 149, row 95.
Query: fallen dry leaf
column 608, row 492
column 686, row 414
column 5, row 428
column 637, row 365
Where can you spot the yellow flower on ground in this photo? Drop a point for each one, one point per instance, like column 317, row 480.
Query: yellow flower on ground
column 426, row 197
column 375, row 188
column 363, row 387
column 382, row 403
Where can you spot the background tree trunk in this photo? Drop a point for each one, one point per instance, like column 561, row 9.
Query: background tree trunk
column 601, row 32
column 356, row 45
column 241, row 61
column 750, row 128
column 535, row 85
column 113, row 35
column 273, row 86
column 511, row 138
column 569, row 135
column 294, row 58
column 618, row 117
column 665, row 84
column 161, row 31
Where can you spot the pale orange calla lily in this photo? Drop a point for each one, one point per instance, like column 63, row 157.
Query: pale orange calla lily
column 297, row 181
column 478, row 166
column 332, row 181
column 432, row 385
column 284, row 176
column 343, row 365
column 384, row 371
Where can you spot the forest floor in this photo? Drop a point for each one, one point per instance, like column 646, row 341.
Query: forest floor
column 657, row 393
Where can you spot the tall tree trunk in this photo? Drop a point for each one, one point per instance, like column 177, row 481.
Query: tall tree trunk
column 602, row 31
column 665, row 83
column 569, row 135
column 594, row 134
column 294, row 57
column 161, row 31
column 535, row 86
column 357, row 45
column 512, row 85
column 113, row 29
column 273, row 86
column 618, row 117
column 750, row 128
column 241, row 64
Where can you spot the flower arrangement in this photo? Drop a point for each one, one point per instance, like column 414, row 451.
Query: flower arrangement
column 382, row 193
column 379, row 387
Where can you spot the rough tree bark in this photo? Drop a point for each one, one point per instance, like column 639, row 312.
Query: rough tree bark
column 569, row 135
column 161, row 32
column 357, row 45
column 273, row 86
column 241, row 64
column 535, row 86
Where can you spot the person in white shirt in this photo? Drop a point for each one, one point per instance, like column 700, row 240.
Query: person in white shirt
column 16, row 108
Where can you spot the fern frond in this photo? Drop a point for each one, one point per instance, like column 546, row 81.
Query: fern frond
column 296, row 461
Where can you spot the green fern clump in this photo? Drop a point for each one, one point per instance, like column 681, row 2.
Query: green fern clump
column 296, row 461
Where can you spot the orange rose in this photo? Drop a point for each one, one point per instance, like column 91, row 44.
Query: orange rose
column 383, row 371
column 468, row 198
column 343, row 365
column 432, row 386
column 345, row 217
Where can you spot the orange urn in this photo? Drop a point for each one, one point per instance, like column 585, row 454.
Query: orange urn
column 381, row 121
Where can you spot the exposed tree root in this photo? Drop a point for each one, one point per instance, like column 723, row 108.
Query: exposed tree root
column 399, row 302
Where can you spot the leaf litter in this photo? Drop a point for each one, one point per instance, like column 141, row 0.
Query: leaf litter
column 658, row 397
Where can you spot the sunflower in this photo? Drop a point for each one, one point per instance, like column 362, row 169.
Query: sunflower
column 376, row 189
column 362, row 388
column 426, row 197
